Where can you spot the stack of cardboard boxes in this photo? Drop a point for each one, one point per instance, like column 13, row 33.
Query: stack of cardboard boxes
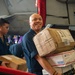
column 57, row 46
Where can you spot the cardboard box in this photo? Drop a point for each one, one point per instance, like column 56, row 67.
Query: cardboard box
column 61, row 70
column 44, row 42
column 53, row 40
column 63, row 39
column 62, row 59
column 15, row 62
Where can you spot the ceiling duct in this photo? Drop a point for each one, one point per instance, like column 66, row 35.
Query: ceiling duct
column 18, row 23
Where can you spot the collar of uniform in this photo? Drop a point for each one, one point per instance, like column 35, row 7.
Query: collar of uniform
column 32, row 31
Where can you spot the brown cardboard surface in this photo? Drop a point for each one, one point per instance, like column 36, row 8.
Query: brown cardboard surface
column 44, row 42
column 62, row 38
column 63, row 70
column 14, row 62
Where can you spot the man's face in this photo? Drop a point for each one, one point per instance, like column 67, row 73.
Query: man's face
column 36, row 22
column 4, row 29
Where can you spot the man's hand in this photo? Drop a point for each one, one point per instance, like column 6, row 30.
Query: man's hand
column 5, row 64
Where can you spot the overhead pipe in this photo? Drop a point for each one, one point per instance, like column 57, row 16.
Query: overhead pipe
column 41, row 9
